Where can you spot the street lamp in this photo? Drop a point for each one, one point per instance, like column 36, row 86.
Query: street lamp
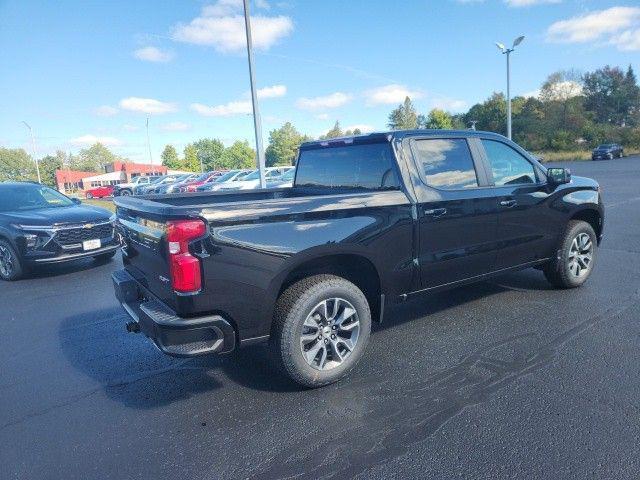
column 254, row 97
column 33, row 149
column 507, row 52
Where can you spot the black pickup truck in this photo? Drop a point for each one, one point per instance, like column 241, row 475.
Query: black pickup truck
column 370, row 220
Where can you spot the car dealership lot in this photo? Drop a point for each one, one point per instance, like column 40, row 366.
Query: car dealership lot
column 507, row 377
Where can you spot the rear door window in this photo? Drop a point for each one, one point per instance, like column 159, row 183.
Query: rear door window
column 445, row 163
column 368, row 166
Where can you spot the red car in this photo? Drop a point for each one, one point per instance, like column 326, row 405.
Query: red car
column 99, row 192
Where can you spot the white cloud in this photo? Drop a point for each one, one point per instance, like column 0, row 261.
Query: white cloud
column 85, row 140
column 532, row 94
column 322, row 116
column 263, row 4
column 390, row 94
column 629, row 40
column 175, row 127
column 146, row 105
column 362, row 127
column 106, row 111
column 528, row 3
column 333, row 100
column 153, row 54
column 449, row 104
column 221, row 26
column 272, row 91
column 226, row 110
column 619, row 26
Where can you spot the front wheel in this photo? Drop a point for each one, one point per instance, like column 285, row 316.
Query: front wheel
column 10, row 264
column 321, row 327
column 575, row 256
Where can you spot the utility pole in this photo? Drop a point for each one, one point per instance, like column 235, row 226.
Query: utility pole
column 33, row 150
column 153, row 169
column 507, row 52
column 254, row 97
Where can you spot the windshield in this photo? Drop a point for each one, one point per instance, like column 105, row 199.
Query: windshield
column 253, row 175
column 202, row 177
column 606, row 145
column 157, row 180
column 287, row 177
column 223, row 178
column 30, row 196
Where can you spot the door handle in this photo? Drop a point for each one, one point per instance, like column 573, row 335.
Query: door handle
column 508, row 203
column 435, row 212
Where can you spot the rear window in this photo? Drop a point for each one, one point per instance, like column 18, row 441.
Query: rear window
column 369, row 166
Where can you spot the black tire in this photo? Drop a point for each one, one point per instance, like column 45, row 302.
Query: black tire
column 14, row 270
column 105, row 257
column 125, row 192
column 293, row 308
column 89, row 195
column 559, row 271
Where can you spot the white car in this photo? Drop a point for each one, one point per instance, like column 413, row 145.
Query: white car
column 285, row 181
column 227, row 179
column 252, row 180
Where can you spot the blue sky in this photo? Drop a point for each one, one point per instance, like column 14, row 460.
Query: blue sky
column 81, row 71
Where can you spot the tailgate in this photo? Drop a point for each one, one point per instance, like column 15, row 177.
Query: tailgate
column 145, row 252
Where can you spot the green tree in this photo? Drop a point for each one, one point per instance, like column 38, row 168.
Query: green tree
column 404, row 117
column 170, row 158
column 48, row 166
column 191, row 162
column 209, row 151
column 283, row 145
column 335, row 132
column 490, row 115
column 93, row 159
column 16, row 164
column 239, row 155
column 439, row 119
column 612, row 96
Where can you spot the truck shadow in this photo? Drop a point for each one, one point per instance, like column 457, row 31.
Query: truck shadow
column 55, row 270
column 133, row 372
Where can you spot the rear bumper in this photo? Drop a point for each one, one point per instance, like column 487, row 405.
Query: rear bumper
column 173, row 335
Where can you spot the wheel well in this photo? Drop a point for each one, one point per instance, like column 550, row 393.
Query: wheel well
column 355, row 268
column 592, row 217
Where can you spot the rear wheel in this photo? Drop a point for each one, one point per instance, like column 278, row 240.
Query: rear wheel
column 125, row 192
column 321, row 328
column 10, row 264
column 89, row 195
column 575, row 257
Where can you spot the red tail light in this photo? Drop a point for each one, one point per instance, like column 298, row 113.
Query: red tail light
column 184, row 267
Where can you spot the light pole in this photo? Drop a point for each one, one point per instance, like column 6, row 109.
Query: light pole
column 254, row 97
column 153, row 170
column 507, row 51
column 33, row 150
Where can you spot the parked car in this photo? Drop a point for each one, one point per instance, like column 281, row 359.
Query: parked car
column 142, row 188
column 99, row 192
column 125, row 189
column 370, row 221
column 39, row 225
column 607, row 151
column 284, row 181
column 226, row 178
column 252, row 180
column 174, row 187
column 193, row 184
column 160, row 186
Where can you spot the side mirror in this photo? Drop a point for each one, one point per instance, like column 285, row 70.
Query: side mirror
column 76, row 200
column 558, row 176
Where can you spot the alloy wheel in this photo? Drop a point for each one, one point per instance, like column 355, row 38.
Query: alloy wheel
column 6, row 262
column 580, row 255
column 329, row 333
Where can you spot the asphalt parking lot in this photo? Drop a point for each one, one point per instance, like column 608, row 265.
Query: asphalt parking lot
column 504, row 379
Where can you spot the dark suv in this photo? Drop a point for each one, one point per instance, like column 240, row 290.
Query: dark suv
column 607, row 151
column 39, row 225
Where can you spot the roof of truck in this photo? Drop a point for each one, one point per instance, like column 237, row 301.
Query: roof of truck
column 378, row 137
